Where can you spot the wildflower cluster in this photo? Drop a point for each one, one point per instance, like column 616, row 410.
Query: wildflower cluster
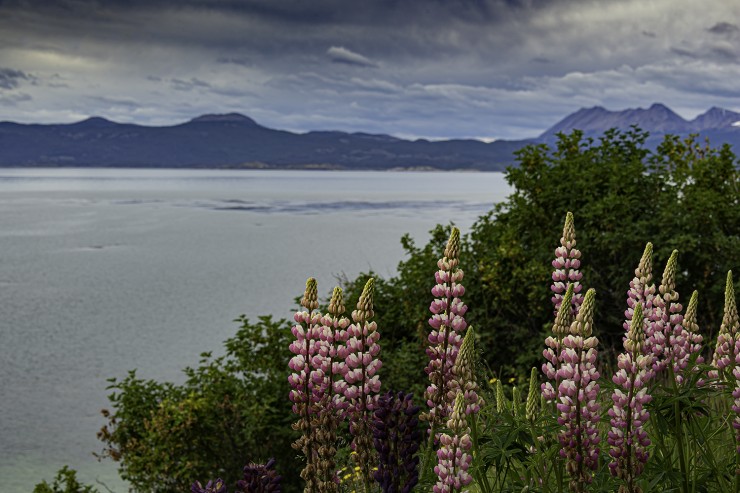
column 567, row 263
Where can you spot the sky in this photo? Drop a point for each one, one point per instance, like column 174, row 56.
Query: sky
column 437, row 69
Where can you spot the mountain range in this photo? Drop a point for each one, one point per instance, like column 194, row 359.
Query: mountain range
column 236, row 141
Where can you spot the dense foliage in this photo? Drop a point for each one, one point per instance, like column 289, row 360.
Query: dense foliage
column 232, row 409
column 683, row 196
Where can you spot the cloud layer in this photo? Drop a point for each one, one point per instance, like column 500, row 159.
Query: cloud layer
column 429, row 68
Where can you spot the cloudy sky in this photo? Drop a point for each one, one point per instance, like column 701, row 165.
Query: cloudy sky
column 412, row 68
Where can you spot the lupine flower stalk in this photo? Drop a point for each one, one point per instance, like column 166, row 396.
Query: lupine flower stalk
column 259, row 478
column 361, row 364
column 216, row 486
column 305, row 381
column 329, row 390
column 693, row 343
column 464, row 375
column 578, row 398
column 567, row 263
column 554, row 344
column 627, row 437
column 533, row 396
column 448, row 325
column 500, row 397
column 397, row 438
column 667, row 338
column 641, row 290
column 723, row 359
column 454, row 455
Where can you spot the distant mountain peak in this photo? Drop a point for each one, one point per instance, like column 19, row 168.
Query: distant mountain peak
column 95, row 121
column 224, row 118
column 658, row 118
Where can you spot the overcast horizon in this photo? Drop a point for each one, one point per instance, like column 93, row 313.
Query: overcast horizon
column 503, row 69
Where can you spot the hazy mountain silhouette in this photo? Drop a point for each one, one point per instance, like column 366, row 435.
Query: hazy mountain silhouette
column 234, row 140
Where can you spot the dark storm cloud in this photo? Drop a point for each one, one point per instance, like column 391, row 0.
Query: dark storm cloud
column 723, row 28
column 11, row 79
column 437, row 68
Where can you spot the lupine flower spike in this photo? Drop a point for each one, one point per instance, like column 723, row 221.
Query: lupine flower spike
column 454, row 454
column 723, row 359
column 448, row 326
column 361, row 364
column 329, row 390
column 306, row 393
column 464, row 373
column 500, row 397
column 627, row 438
column 641, row 290
column 693, row 344
column 726, row 359
column 217, row 486
column 260, row 478
column 397, row 438
column 533, row 396
column 578, row 398
column 567, row 263
column 666, row 339
column 554, row 344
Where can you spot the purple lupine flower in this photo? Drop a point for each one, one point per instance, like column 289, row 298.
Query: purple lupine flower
column 397, row 438
column 448, row 325
column 692, row 344
column 216, row 486
column 304, row 381
column 361, row 364
column 641, row 291
column 723, row 359
column 464, row 375
column 335, row 336
column 259, row 478
column 567, row 263
column 666, row 337
column 554, row 344
column 627, row 438
column 454, row 455
column 578, row 398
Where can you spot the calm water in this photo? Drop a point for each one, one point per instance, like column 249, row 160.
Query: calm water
column 103, row 271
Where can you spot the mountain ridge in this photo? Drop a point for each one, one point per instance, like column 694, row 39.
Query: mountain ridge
column 234, row 140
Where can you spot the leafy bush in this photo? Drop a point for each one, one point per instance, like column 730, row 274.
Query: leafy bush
column 683, row 196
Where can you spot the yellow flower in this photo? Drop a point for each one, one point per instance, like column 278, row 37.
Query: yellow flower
column 493, row 380
column 512, row 380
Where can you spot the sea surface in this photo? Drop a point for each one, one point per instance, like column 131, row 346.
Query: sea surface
column 107, row 270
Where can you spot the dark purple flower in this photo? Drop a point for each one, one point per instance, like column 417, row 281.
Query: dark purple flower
column 397, row 438
column 259, row 478
column 217, row 486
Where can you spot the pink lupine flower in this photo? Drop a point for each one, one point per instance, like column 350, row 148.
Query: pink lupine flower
column 666, row 339
column 567, row 263
column 361, row 364
column 448, row 325
column 723, row 359
column 464, row 372
column 692, row 344
column 554, row 343
column 328, row 391
column 578, row 398
column 641, row 290
column 627, row 437
column 306, row 381
column 454, row 455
